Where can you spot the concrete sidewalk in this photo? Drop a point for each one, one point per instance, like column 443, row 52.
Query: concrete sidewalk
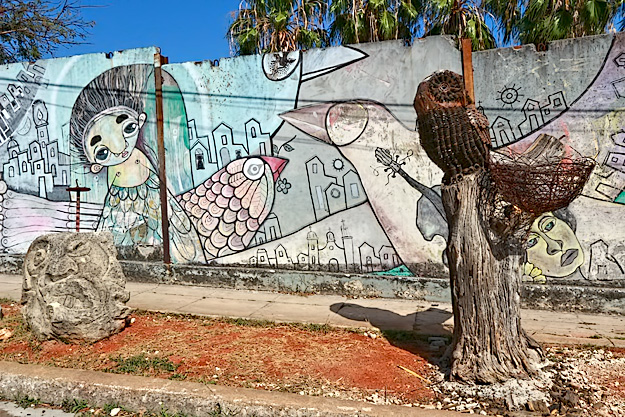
column 384, row 314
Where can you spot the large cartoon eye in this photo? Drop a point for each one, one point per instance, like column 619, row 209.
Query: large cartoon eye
column 253, row 168
column 547, row 224
column 102, row 154
column 532, row 241
column 130, row 129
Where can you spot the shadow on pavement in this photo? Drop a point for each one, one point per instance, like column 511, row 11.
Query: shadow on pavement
column 422, row 333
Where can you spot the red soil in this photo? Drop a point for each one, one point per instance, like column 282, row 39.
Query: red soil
column 322, row 361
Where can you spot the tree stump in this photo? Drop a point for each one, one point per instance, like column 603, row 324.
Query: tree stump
column 489, row 344
column 484, row 248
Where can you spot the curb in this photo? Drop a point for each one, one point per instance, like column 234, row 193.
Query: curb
column 53, row 385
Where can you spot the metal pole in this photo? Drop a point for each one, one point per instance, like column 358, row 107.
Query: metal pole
column 160, row 142
column 78, row 189
column 77, row 211
column 467, row 68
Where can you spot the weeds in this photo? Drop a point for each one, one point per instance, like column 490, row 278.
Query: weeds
column 140, row 364
column 26, row 401
column 74, row 406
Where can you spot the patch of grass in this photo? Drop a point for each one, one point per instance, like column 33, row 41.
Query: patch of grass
column 108, row 407
column 26, row 401
column 140, row 364
column 595, row 336
column 74, row 406
column 311, row 327
column 178, row 377
column 4, row 300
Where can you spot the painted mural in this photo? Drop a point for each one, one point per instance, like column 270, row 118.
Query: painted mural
column 302, row 160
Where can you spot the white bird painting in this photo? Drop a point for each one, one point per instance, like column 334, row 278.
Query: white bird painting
column 381, row 148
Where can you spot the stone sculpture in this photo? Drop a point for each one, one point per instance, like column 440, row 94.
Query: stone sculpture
column 74, row 287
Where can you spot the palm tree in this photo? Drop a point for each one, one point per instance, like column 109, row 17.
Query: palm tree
column 462, row 18
column 542, row 21
column 355, row 21
column 277, row 25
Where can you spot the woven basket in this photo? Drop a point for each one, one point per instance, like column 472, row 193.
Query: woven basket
column 539, row 188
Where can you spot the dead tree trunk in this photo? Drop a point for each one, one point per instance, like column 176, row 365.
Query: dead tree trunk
column 489, row 344
column 484, row 247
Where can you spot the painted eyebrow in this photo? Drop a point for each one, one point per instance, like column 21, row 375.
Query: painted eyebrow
column 121, row 118
column 95, row 139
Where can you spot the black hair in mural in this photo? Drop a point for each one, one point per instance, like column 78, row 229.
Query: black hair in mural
column 567, row 217
column 124, row 86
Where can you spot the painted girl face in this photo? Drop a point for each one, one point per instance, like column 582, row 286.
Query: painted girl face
column 111, row 136
column 553, row 247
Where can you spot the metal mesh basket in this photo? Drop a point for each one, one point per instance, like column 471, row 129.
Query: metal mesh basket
column 541, row 187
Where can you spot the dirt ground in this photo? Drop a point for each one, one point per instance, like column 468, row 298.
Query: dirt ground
column 309, row 359
column 390, row 367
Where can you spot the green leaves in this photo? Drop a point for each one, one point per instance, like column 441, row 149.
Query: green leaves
column 31, row 28
column 282, row 25
column 278, row 25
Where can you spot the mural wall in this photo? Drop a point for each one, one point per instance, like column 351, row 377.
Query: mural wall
column 303, row 160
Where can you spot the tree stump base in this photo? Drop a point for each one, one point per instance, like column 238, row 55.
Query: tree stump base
column 489, row 344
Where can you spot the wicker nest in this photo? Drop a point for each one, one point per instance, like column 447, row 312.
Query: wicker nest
column 541, row 187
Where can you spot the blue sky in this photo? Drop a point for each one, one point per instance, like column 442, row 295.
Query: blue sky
column 185, row 30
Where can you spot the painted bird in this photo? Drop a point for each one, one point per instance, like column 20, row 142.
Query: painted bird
column 360, row 128
column 228, row 208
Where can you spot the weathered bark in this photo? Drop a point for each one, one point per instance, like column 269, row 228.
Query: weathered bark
column 489, row 344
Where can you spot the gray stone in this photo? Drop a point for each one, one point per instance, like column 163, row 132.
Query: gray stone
column 74, row 287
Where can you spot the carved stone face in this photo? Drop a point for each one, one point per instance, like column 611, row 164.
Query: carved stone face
column 74, row 288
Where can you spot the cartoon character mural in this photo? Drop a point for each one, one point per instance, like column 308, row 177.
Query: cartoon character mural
column 364, row 188
column 108, row 132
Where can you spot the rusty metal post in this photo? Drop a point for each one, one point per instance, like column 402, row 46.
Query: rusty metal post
column 78, row 189
column 160, row 60
column 467, row 68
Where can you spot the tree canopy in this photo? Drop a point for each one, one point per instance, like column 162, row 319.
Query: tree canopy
column 280, row 25
column 30, row 29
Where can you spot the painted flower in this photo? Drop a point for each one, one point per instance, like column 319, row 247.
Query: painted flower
column 283, row 185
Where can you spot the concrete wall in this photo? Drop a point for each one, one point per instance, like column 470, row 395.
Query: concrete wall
column 574, row 91
column 271, row 160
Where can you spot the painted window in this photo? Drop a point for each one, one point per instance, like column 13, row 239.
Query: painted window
column 354, row 189
column 11, row 172
column 272, row 232
column 314, row 168
column 224, row 139
column 24, row 167
column 52, row 153
column 224, row 153
column 253, row 132
column 319, row 192
column 199, row 159
column 385, row 256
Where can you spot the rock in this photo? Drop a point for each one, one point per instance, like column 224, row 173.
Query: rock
column 74, row 287
column 570, row 398
column 5, row 334
column 115, row 411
